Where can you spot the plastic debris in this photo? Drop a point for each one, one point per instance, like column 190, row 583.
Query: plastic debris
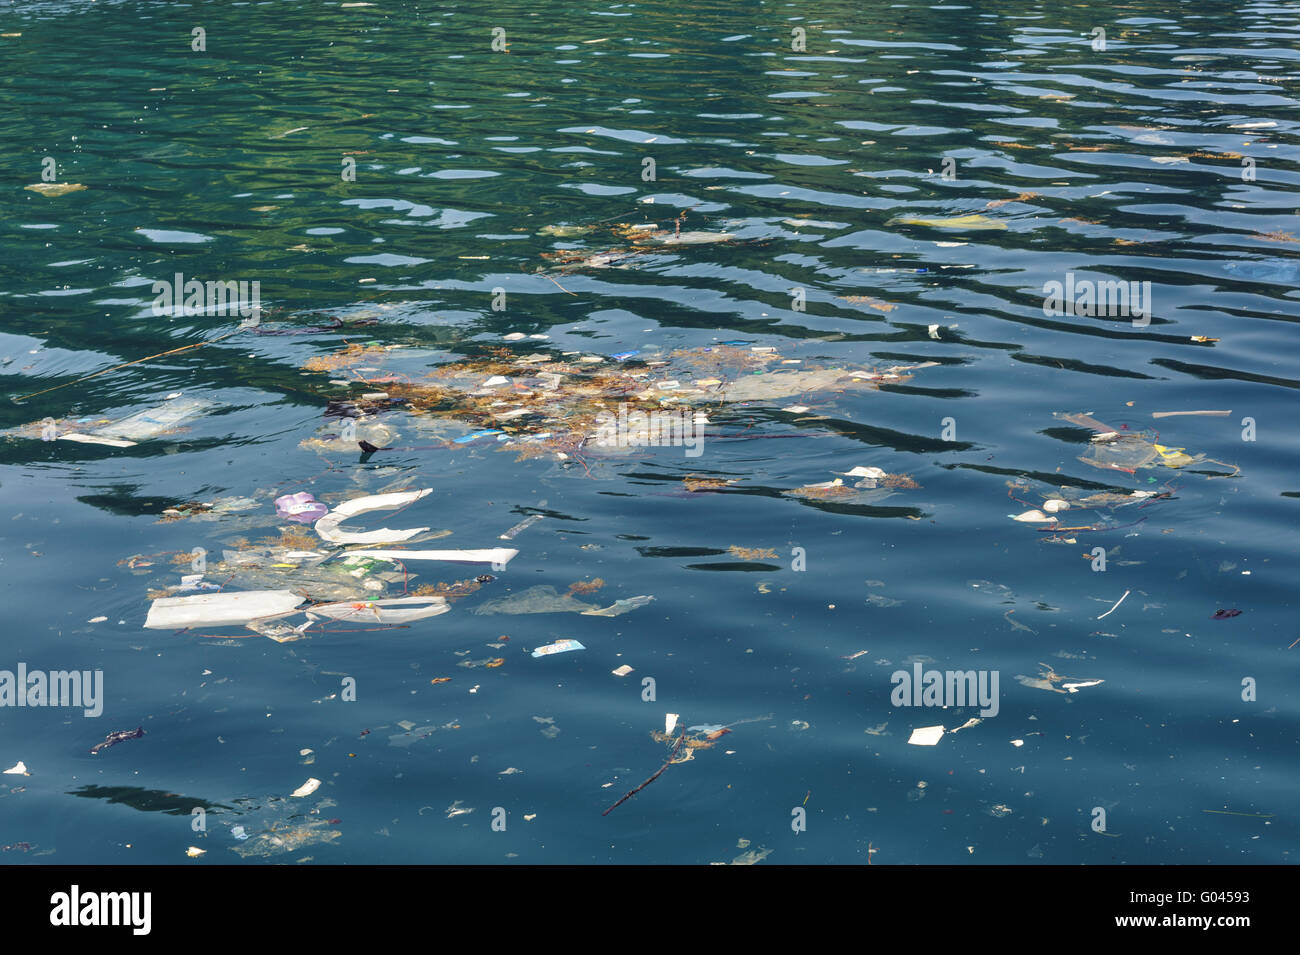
column 926, row 736
column 538, row 599
column 218, row 610
column 1115, row 450
column 301, row 507
column 387, row 610
column 619, row 607
column 1036, row 517
column 623, row 670
column 125, row 432
column 307, row 788
column 670, row 723
column 1047, row 680
column 574, row 402
column 1116, row 607
column 559, row 646
column 523, row 525
column 497, row 556
column 1225, row 614
column 1076, row 687
column 277, row 568
column 17, row 770
column 282, row 832
column 194, row 852
column 121, row 736
column 327, row 526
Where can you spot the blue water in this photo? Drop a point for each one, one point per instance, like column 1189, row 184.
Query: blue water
column 1120, row 164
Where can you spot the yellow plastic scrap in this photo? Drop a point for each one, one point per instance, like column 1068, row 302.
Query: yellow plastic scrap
column 1173, row 457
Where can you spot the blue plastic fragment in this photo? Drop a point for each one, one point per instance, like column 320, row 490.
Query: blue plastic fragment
column 476, row 435
column 623, row 355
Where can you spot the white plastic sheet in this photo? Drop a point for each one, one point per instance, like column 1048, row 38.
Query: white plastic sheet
column 497, row 556
column 219, row 610
column 328, row 526
column 389, row 610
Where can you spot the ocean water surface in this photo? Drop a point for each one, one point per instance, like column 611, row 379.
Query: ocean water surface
column 839, row 189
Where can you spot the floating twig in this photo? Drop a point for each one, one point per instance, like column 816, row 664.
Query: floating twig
column 127, row 364
column 680, row 739
column 557, row 284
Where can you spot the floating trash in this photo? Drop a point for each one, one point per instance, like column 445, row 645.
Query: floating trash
column 559, row 646
column 301, row 507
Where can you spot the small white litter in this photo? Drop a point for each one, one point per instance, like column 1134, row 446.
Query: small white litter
column 1076, row 687
column 307, row 788
column 670, row 724
column 926, row 736
column 19, row 770
column 1056, row 504
column 1031, row 517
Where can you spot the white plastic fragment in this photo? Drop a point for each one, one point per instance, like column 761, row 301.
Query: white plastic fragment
column 866, row 472
column 327, row 526
column 388, row 610
column 624, row 670
column 559, row 646
column 194, row 852
column 926, row 736
column 1017, row 742
column 1075, row 687
column 670, row 724
column 96, row 439
column 19, row 770
column 307, row 788
column 220, row 609
column 495, row 555
column 1116, row 607
column 1056, row 504
column 1031, row 517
